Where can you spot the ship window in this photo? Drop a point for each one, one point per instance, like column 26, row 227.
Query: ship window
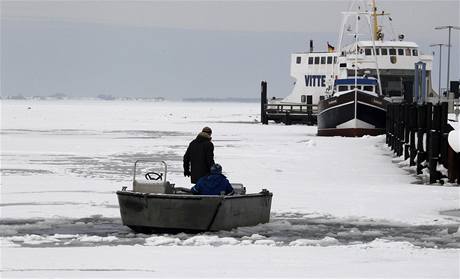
column 358, row 87
column 335, row 59
column 377, row 51
column 329, row 60
column 323, row 60
column 368, row 51
column 343, row 65
column 316, row 60
column 414, row 52
column 384, row 51
column 392, row 51
column 407, row 51
column 299, row 60
column 400, row 51
column 303, row 99
column 310, row 60
column 343, row 88
column 368, row 88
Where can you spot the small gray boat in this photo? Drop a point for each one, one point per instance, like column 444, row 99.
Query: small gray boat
column 155, row 205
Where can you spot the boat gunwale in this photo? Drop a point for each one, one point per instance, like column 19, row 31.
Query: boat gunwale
column 190, row 197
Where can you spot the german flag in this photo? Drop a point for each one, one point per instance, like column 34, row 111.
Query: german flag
column 330, row 48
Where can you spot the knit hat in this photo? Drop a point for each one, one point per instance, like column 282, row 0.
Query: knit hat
column 207, row 130
column 216, row 169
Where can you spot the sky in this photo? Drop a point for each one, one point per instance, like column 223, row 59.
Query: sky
column 186, row 49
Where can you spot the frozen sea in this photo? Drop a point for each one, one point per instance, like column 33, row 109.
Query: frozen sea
column 342, row 207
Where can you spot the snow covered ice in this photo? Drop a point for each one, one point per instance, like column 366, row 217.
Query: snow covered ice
column 342, row 207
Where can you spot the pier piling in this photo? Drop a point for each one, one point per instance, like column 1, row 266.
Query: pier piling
column 263, row 102
column 419, row 132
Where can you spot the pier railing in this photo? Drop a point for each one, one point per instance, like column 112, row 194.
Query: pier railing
column 293, row 108
column 290, row 113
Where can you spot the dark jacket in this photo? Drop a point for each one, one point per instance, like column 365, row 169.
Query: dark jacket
column 212, row 184
column 199, row 157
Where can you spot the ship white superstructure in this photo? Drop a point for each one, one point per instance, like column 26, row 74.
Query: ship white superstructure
column 310, row 71
column 314, row 72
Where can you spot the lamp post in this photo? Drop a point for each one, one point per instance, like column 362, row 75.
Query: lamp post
column 440, row 57
column 450, row 27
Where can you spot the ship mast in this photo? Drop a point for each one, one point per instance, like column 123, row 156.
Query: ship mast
column 376, row 30
column 376, row 36
column 376, row 24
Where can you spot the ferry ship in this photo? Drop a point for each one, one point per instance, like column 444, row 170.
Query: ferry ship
column 390, row 62
column 369, row 75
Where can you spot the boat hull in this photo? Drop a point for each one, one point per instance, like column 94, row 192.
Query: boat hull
column 144, row 212
column 352, row 114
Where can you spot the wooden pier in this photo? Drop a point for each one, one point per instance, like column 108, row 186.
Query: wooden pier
column 419, row 132
column 287, row 113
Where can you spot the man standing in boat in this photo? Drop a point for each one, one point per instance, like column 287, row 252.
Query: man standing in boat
column 199, row 156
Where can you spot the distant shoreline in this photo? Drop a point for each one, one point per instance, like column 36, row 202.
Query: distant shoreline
column 143, row 99
column 222, row 100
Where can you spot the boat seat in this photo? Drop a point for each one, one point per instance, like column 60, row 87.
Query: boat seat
column 147, row 186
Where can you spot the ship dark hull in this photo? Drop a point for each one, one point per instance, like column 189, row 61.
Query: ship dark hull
column 352, row 114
